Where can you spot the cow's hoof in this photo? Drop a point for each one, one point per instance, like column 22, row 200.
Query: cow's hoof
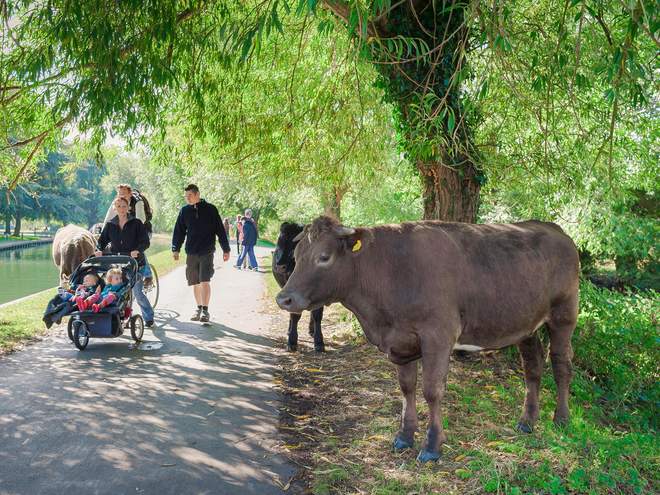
column 401, row 444
column 320, row 348
column 523, row 427
column 291, row 348
column 428, row 456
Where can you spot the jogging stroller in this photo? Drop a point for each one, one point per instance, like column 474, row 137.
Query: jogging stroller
column 108, row 322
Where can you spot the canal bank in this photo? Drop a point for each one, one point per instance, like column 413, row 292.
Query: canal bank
column 9, row 245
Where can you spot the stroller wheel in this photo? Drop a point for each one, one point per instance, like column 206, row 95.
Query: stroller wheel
column 137, row 327
column 69, row 329
column 80, row 334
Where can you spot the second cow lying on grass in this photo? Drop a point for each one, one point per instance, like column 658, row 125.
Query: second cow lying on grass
column 283, row 265
column 421, row 289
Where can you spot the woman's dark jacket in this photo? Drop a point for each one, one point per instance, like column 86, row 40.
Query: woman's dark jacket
column 133, row 237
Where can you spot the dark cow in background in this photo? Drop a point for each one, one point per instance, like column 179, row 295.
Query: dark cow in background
column 421, row 289
column 71, row 246
column 283, row 265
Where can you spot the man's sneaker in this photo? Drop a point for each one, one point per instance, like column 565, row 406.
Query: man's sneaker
column 205, row 317
column 196, row 315
column 149, row 323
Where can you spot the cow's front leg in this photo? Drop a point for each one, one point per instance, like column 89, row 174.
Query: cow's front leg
column 435, row 365
column 315, row 327
column 292, row 344
column 405, row 438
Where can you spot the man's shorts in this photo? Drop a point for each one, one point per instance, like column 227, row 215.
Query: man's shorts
column 199, row 268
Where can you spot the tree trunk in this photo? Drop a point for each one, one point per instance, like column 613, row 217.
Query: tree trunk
column 17, row 227
column 17, row 215
column 332, row 202
column 7, row 223
column 449, row 194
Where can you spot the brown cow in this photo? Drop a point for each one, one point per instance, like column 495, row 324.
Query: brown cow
column 421, row 289
column 71, row 246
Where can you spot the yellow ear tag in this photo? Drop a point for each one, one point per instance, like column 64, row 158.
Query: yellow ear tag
column 357, row 246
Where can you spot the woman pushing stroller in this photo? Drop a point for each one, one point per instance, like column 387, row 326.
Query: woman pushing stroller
column 128, row 236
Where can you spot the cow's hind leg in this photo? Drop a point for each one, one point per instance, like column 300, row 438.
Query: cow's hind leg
column 561, row 326
column 292, row 344
column 531, row 352
column 315, row 328
column 405, row 438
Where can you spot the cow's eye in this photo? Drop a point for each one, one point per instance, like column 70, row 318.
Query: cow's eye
column 324, row 258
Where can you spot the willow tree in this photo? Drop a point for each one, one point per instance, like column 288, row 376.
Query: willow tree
column 106, row 64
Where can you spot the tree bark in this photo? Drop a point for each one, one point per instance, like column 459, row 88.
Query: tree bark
column 17, row 216
column 449, row 194
column 17, row 227
column 332, row 202
column 7, row 223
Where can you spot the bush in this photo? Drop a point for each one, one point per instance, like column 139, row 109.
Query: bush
column 616, row 343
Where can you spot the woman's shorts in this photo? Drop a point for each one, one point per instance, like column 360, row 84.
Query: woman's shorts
column 199, row 268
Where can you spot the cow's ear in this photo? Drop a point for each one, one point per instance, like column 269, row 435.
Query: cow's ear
column 355, row 242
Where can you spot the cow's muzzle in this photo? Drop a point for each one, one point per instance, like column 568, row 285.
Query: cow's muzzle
column 292, row 302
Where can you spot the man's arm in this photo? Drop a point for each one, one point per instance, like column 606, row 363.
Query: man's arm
column 179, row 233
column 139, row 211
column 110, row 214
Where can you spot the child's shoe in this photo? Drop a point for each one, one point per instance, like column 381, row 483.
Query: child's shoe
column 96, row 308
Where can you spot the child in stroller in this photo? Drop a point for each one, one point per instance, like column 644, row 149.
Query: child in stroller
column 86, row 293
column 113, row 284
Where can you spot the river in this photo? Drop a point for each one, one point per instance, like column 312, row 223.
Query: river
column 29, row 270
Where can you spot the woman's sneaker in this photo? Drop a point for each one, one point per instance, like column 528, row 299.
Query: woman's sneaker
column 205, row 316
column 196, row 315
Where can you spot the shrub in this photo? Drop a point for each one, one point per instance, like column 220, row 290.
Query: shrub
column 616, row 344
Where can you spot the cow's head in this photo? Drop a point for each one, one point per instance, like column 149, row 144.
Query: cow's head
column 283, row 260
column 325, row 258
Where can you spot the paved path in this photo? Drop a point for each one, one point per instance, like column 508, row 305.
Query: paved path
column 197, row 416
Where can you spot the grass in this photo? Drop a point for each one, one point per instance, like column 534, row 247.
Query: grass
column 21, row 322
column 341, row 411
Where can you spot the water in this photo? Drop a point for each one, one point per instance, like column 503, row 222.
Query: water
column 26, row 271
column 29, row 270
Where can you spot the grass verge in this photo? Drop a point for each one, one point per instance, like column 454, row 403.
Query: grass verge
column 341, row 409
column 21, row 322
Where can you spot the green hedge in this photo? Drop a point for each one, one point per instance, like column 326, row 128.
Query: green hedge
column 616, row 343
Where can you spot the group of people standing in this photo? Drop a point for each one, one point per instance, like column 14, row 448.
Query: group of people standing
column 127, row 229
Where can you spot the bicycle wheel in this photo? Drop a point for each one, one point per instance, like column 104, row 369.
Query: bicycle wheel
column 152, row 292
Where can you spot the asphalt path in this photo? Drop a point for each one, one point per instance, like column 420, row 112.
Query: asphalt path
column 193, row 411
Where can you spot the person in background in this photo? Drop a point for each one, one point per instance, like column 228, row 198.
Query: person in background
column 227, row 227
column 199, row 223
column 249, row 241
column 239, row 233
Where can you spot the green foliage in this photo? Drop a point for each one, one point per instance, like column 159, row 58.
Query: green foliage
column 616, row 343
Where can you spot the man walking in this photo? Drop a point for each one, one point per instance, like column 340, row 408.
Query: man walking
column 199, row 223
column 249, row 241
